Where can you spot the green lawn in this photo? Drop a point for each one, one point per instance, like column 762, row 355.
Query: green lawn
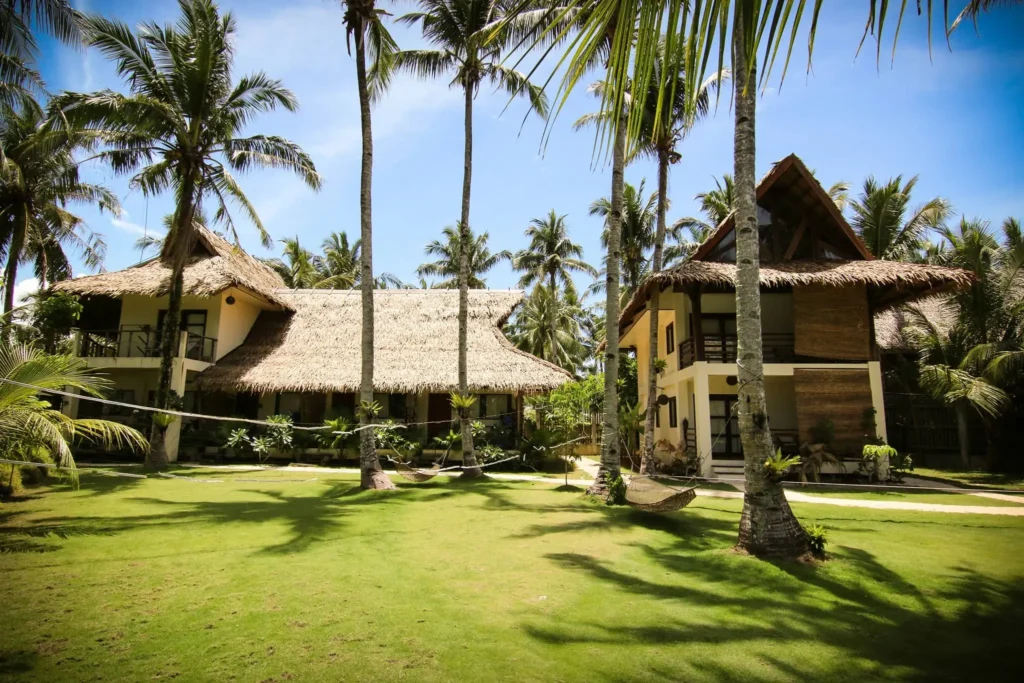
column 987, row 480
column 315, row 581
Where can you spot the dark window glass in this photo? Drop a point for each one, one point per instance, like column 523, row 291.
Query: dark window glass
column 670, row 338
column 673, row 416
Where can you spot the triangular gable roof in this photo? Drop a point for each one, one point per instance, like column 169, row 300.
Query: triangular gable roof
column 790, row 186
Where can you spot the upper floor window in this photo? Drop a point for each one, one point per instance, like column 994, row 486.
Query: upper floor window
column 670, row 338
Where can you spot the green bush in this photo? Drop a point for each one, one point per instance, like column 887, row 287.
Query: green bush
column 817, row 538
column 616, row 491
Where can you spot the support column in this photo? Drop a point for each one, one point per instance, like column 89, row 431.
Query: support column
column 878, row 403
column 702, row 416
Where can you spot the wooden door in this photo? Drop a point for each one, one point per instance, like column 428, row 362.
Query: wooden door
column 439, row 414
column 725, row 431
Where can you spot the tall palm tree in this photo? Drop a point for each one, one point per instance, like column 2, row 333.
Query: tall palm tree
column 880, row 218
column 364, row 23
column 26, row 417
column 470, row 55
column 639, row 220
column 551, row 255
column 39, row 178
column 178, row 129
column 449, row 253
column 663, row 127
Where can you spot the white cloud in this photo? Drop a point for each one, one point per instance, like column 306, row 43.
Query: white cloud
column 135, row 228
column 24, row 289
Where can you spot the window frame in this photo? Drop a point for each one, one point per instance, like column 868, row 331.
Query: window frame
column 670, row 338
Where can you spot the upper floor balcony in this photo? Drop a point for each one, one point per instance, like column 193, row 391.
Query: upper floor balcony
column 143, row 341
column 721, row 348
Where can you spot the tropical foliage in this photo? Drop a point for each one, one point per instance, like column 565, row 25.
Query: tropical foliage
column 30, row 424
column 180, row 129
column 882, row 217
column 337, row 267
column 447, row 251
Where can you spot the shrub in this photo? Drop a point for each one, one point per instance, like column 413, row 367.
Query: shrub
column 871, row 460
column 817, row 538
column 777, row 466
column 616, row 491
column 899, row 465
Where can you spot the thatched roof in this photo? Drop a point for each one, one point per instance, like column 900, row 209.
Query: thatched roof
column 317, row 348
column 890, row 325
column 791, row 192
column 889, row 282
column 215, row 266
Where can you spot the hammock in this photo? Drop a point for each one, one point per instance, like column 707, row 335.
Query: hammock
column 413, row 474
column 643, row 493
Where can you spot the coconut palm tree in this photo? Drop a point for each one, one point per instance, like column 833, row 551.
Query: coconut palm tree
column 364, row 23
column 297, row 268
column 880, row 218
column 20, row 83
column 39, row 178
column 551, row 256
column 26, row 418
column 339, row 264
column 637, row 233
column 663, row 127
column 449, row 253
column 179, row 129
column 691, row 231
column 548, row 326
column 470, row 55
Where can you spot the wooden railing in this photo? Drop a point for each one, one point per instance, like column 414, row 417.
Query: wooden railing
column 722, row 348
column 142, row 342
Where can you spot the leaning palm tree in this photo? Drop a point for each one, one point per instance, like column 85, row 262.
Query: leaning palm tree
column 880, row 218
column 471, row 55
column 26, row 418
column 39, row 178
column 551, row 256
column 178, row 129
column 450, row 252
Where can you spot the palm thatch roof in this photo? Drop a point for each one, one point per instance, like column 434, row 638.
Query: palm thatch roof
column 889, row 283
column 214, row 266
column 891, row 324
column 317, row 348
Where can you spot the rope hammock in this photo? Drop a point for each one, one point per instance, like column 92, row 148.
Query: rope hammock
column 643, row 493
column 416, row 475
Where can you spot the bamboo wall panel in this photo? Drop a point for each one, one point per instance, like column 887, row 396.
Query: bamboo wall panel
column 842, row 396
column 832, row 322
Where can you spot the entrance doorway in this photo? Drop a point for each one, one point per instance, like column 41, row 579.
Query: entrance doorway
column 439, row 414
column 725, row 430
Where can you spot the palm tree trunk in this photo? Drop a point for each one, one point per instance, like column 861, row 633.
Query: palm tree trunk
column 963, row 434
column 767, row 524
column 469, row 463
column 20, row 234
column 647, row 457
column 609, row 467
column 371, row 474
column 554, row 319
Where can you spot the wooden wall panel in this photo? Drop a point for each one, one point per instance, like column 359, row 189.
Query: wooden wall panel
column 832, row 322
column 842, row 396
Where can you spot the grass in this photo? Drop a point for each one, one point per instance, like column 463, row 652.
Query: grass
column 271, row 581
column 987, row 480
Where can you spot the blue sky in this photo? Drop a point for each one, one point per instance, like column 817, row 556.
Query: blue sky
column 956, row 120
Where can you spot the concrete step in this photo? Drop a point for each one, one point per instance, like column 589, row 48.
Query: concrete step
column 727, row 467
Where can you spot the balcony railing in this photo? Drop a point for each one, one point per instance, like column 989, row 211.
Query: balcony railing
column 143, row 342
column 721, row 348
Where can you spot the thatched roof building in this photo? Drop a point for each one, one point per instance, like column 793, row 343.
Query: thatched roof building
column 806, row 243
column 214, row 266
column 316, row 348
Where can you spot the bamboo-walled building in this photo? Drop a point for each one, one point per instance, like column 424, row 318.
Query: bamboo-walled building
column 250, row 347
column 821, row 291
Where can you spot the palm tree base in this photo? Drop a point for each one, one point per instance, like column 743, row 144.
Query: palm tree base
column 602, row 482
column 768, row 527
column 473, row 473
column 156, row 459
column 375, row 479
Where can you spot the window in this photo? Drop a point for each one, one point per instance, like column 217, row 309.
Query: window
column 396, row 406
column 343, row 405
column 657, row 416
column 493, row 406
column 670, row 338
column 673, row 415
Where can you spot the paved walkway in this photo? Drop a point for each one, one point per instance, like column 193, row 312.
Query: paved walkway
column 792, row 496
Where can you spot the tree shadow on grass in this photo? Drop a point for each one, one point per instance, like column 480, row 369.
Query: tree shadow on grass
column 881, row 623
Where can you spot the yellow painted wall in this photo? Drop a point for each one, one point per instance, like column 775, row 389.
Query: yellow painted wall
column 781, row 399
column 144, row 310
column 235, row 320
